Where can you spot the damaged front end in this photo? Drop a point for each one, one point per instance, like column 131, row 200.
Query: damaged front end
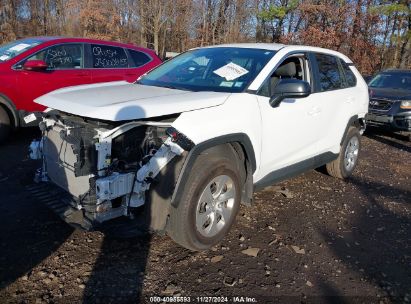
column 107, row 170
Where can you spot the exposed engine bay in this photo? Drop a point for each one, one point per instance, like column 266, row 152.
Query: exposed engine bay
column 106, row 167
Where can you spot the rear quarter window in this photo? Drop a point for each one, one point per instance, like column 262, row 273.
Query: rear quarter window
column 350, row 79
column 139, row 58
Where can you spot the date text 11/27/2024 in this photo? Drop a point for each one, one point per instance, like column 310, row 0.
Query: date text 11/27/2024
column 201, row 299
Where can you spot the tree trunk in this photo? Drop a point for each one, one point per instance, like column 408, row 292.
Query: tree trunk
column 156, row 34
column 45, row 16
column 406, row 47
column 384, row 42
column 396, row 62
column 143, row 41
column 405, row 58
column 355, row 27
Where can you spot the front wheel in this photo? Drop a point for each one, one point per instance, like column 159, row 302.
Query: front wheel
column 347, row 160
column 209, row 204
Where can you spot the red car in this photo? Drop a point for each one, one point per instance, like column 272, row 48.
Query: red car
column 32, row 67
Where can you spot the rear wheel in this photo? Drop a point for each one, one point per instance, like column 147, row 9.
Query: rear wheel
column 347, row 160
column 5, row 125
column 209, row 204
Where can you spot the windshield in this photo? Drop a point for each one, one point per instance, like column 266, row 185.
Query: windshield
column 392, row 81
column 220, row 69
column 12, row 49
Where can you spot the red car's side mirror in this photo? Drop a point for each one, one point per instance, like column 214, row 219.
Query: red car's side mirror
column 35, row 65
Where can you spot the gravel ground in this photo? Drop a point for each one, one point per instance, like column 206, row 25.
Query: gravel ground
column 312, row 239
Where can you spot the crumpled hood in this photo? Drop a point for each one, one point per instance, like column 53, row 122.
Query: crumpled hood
column 120, row 100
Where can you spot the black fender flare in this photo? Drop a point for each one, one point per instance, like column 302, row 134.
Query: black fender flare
column 239, row 138
column 353, row 121
column 11, row 108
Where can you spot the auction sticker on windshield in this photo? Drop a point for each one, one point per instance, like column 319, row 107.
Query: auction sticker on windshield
column 19, row 47
column 231, row 71
column 227, row 84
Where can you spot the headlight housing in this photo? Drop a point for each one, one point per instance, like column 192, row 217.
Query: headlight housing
column 405, row 104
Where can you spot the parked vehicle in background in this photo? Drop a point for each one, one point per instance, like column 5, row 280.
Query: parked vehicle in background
column 170, row 55
column 390, row 101
column 183, row 146
column 32, row 67
column 367, row 78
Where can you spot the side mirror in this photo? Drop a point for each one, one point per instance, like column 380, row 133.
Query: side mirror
column 35, row 65
column 289, row 88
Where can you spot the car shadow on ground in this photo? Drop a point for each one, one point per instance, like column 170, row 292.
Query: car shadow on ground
column 378, row 231
column 388, row 138
column 120, row 268
column 30, row 232
column 331, row 294
column 119, row 272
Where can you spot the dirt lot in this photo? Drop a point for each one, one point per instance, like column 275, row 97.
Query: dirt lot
column 317, row 239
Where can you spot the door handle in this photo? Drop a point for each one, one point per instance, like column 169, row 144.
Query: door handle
column 82, row 74
column 350, row 99
column 314, row 111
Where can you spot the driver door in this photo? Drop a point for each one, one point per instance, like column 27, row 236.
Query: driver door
column 65, row 68
column 291, row 130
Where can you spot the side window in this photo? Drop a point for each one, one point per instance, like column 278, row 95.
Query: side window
column 139, row 58
column 292, row 67
column 349, row 75
column 330, row 77
column 108, row 57
column 63, row 56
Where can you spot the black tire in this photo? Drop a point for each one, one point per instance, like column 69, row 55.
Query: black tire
column 182, row 223
column 5, row 124
column 337, row 167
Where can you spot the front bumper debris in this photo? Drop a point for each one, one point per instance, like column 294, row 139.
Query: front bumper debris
column 78, row 169
column 134, row 185
column 62, row 203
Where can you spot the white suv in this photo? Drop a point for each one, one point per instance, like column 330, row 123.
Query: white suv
column 178, row 150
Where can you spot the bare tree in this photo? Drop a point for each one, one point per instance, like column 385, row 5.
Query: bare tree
column 374, row 33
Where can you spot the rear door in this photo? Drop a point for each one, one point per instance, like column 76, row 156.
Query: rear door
column 65, row 68
column 337, row 100
column 108, row 63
